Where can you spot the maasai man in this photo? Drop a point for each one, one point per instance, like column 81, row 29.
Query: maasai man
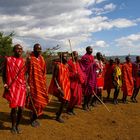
column 87, row 59
column 136, row 76
column 37, row 97
column 108, row 84
column 76, row 81
column 60, row 84
column 127, row 78
column 117, row 79
column 85, row 63
column 100, row 76
column 15, row 86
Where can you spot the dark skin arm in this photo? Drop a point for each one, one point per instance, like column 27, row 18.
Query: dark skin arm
column 4, row 75
column 27, row 62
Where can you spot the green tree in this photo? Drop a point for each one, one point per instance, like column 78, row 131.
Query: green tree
column 5, row 47
column 6, row 44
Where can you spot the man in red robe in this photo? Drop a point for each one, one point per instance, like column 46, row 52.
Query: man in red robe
column 15, row 86
column 99, row 78
column 60, row 84
column 127, row 79
column 38, row 96
column 108, row 80
column 76, row 81
column 87, row 59
column 85, row 63
column 136, row 76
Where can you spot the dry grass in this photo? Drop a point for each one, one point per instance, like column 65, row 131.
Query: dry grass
column 122, row 123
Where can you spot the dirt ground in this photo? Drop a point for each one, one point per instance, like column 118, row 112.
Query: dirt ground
column 122, row 123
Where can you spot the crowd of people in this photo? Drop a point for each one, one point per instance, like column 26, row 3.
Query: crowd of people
column 74, row 82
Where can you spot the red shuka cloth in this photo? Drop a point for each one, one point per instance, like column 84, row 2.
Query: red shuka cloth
column 87, row 66
column 63, row 81
column 100, row 73
column 86, row 61
column 127, row 85
column 76, row 81
column 136, row 74
column 15, row 79
column 108, row 77
column 38, row 96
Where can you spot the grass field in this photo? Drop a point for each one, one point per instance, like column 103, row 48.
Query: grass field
column 122, row 123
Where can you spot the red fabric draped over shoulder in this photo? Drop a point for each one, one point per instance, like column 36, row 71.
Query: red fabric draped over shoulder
column 15, row 79
column 127, row 79
column 37, row 83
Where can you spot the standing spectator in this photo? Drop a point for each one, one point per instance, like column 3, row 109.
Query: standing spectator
column 117, row 79
column 108, row 84
column 127, row 78
column 136, row 76
column 15, row 86
column 76, row 81
column 86, row 61
column 60, row 84
column 100, row 77
column 38, row 96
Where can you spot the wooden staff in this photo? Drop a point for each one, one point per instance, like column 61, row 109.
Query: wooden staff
column 32, row 103
column 28, row 88
column 72, row 54
column 101, row 101
column 71, row 50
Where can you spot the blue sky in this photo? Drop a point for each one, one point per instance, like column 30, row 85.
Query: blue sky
column 109, row 26
column 125, row 9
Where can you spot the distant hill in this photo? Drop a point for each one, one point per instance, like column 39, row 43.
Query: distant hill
column 122, row 58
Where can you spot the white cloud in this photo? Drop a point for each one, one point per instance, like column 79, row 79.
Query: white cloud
column 52, row 22
column 100, row 1
column 106, row 9
column 90, row 2
column 129, row 44
column 14, row 18
column 101, row 43
column 123, row 23
column 132, row 41
column 110, row 7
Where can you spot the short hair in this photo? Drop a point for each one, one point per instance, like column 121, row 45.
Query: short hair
column 137, row 57
column 127, row 57
column 117, row 58
column 61, row 54
column 73, row 53
column 98, row 53
column 88, row 47
column 15, row 46
column 111, row 60
column 37, row 44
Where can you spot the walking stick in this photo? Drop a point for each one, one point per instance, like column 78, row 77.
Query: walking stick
column 72, row 55
column 101, row 101
column 71, row 50
column 29, row 94
column 32, row 104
